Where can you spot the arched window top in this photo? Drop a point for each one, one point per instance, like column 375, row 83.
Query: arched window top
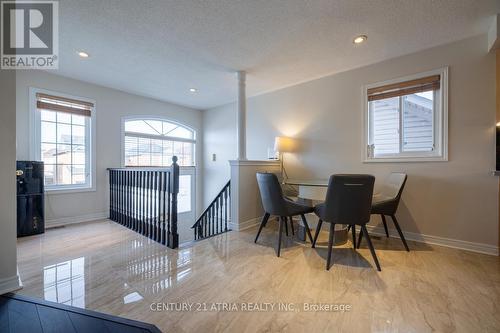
column 159, row 128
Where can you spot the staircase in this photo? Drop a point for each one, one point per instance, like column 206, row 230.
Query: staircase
column 215, row 218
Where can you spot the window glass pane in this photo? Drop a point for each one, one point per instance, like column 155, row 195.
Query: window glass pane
column 139, row 126
column 78, row 120
column 155, row 126
column 131, row 151
column 63, row 154
column 181, row 132
column 385, row 125
column 63, row 174
column 144, row 152
column 49, row 153
column 63, row 148
column 168, row 152
column 184, row 196
column 63, row 133
column 78, row 154
column 418, row 118
column 63, row 117
column 48, row 132
column 49, row 174
column 168, row 128
column 48, row 115
column 156, row 151
column 78, row 173
column 78, row 134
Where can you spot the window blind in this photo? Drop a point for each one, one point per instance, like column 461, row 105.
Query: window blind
column 63, row 104
column 423, row 84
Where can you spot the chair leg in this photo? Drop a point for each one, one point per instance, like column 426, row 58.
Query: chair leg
column 400, row 232
column 291, row 225
column 331, row 238
column 280, row 232
column 353, row 228
column 349, row 228
column 370, row 245
column 318, row 228
column 286, row 225
column 360, row 237
column 385, row 225
column 307, row 227
column 262, row 225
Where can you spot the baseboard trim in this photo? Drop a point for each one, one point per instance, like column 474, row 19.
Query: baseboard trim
column 412, row 236
column 10, row 284
column 436, row 240
column 75, row 219
column 245, row 225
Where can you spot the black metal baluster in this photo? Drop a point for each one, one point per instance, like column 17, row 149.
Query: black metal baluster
column 225, row 209
column 143, row 203
column 155, row 214
column 131, row 200
column 134, row 184
column 158, row 227
column 111, row 198
column 169, row 203
column 150, row 198
column 127, row 187
column 147, row 202
column 163, row 232
column 217, row 215
column 220, row 212
column 120, row 203
column 111, row 195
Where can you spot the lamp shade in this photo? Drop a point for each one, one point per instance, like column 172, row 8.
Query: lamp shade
column 284, row 144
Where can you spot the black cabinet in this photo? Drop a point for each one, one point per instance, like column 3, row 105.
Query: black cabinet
column 30, row 198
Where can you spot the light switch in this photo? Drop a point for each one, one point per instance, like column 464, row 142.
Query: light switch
column 214, row 157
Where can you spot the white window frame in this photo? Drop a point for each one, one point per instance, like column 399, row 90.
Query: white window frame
column 160, row 137
column 440, row 151
column 35, row 120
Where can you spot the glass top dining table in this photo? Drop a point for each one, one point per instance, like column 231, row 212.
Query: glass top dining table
column 315, row 189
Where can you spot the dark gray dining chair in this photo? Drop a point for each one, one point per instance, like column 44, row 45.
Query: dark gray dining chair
column 387, row 201
column 348, row 201
column 275, row 203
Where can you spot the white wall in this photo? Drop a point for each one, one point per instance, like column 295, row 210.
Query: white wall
column 457, row 199
column 111, row 106
column 9, row 280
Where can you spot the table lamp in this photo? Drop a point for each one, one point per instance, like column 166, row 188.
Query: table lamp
column 283, row 144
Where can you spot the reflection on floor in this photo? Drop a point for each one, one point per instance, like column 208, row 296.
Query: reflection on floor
column 214, row 284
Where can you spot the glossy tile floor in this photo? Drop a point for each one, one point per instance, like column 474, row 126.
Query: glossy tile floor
column 234, row 285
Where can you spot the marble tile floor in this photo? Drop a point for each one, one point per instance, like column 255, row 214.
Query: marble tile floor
column 229, row 284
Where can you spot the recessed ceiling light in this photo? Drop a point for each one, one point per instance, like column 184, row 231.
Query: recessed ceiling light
column 83, row 54
column 360, row 39
column 193, row 90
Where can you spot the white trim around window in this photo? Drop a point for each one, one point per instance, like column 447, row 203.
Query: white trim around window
column 440, row 126
column 90, row 141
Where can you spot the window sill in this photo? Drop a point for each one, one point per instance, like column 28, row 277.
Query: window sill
column 69, row 190
column 406, row 159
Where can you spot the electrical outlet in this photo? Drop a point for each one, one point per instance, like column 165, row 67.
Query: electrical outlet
column 214, row 157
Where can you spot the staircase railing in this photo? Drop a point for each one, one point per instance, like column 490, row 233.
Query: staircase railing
column 215, row 218
column 145, row 200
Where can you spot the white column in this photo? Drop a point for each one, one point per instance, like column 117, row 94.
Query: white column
column 241, row 116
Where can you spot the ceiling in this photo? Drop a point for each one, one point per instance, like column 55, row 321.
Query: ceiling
column 161, row 48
